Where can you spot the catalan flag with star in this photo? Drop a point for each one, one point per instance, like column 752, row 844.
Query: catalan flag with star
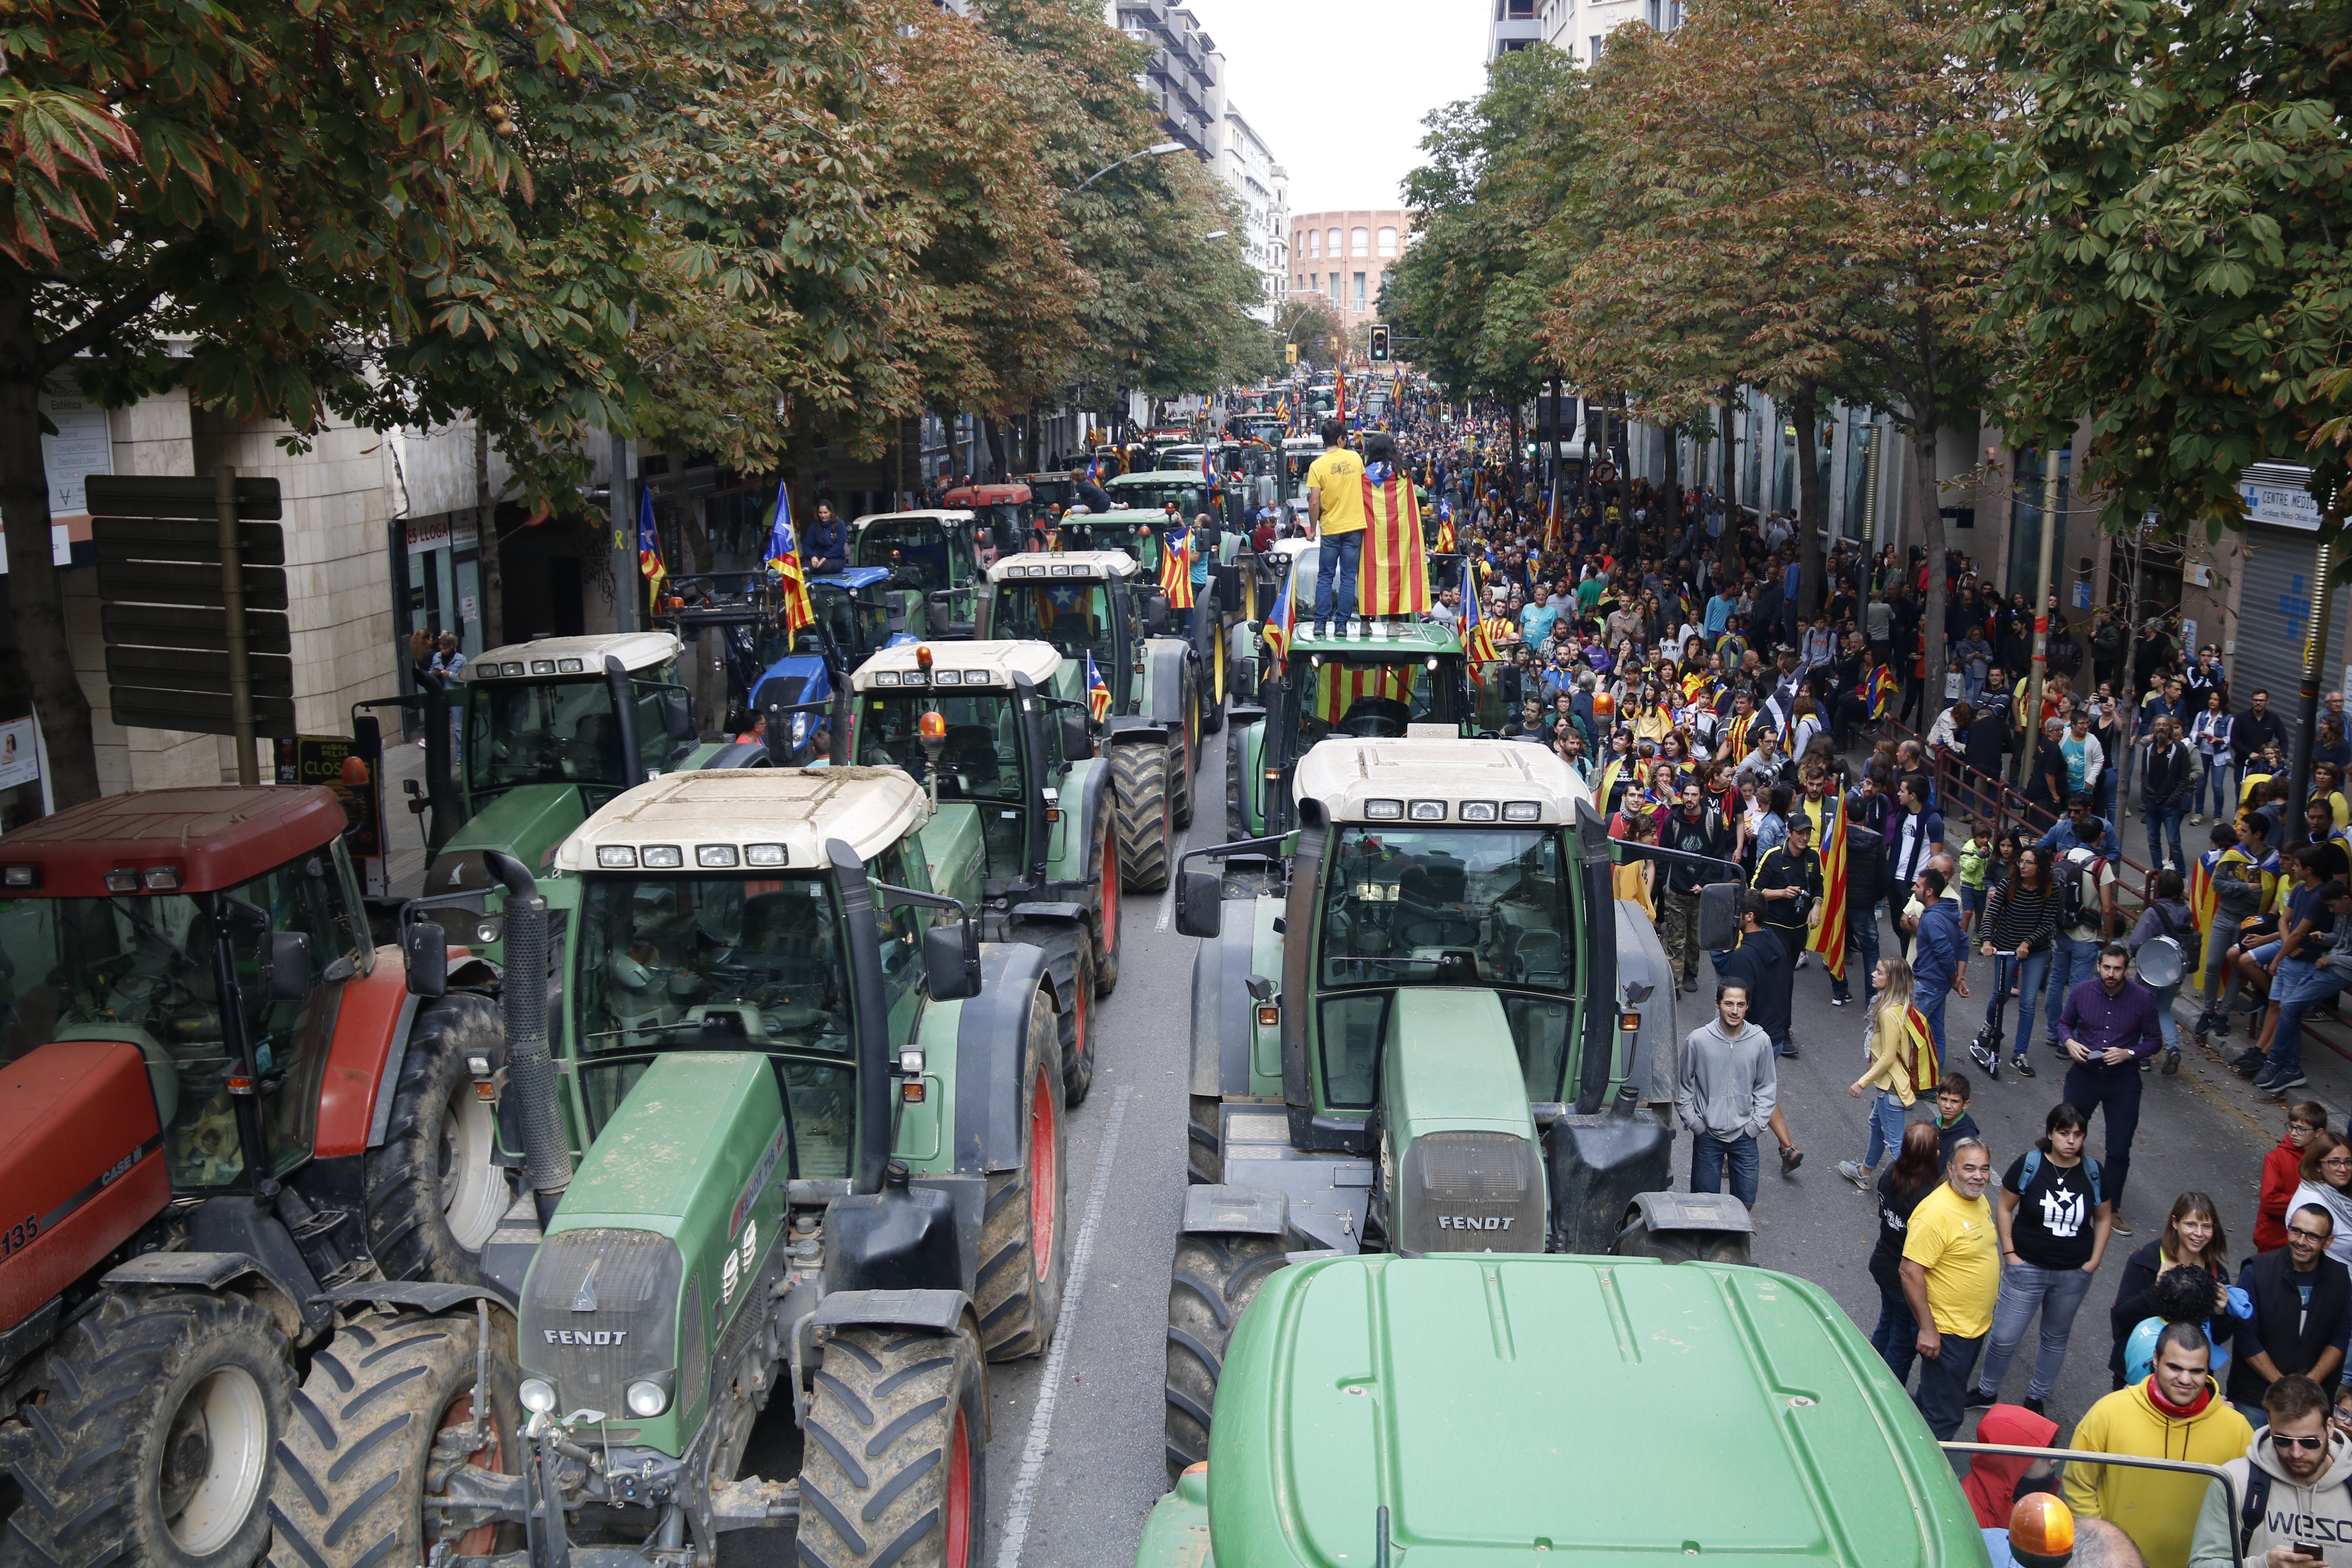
column 784, row 560
column 1098, row 691
column 1176, row 568
column 649, row 559
column 1394, row 579
column 1883, row 688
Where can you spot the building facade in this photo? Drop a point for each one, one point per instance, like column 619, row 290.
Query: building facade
column 1343, row 256
column 1580, row 29
column 1248, row 168
column 1514, row 25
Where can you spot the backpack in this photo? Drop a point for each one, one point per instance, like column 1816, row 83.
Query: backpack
column 2073, row 909
column 2258, row 1500
column 2033, row 1164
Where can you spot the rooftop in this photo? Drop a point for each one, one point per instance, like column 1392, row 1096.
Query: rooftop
column 1346, row 774
column 212, row 836
column 1001, row 660
column 1070, row 564
column 573, row 655
column 711, row 821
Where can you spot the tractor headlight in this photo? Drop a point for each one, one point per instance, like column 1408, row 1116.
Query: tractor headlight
column 647, row 1397
column 538, row 1395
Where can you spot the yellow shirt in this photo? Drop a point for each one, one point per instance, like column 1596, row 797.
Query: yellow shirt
column 1953, row 1239
column 1631, row 884
column 1338, row 475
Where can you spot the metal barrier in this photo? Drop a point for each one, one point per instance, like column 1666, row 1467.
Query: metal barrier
column 2127, row 1461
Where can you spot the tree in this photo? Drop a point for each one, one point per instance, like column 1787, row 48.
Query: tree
column 1314, row 326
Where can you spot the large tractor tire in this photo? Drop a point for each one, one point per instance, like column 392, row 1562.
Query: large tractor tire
column 1077, row 1025
column 1636, row 1239
column 1212, row 1280
column 151, row 1437
column 433, row 1190
column 893, row 1473
column 1146, row 825
column 1184, row 769
column 1241, row 663
column 1205, row 1162
column 1021, row 1234
column 1107, row 911
column 1215, row 679
column 350, row 1490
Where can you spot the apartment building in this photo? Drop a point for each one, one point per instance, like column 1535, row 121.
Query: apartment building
column 1514, row 25
column 1581, row 28
column 1247, row 166
column 1343, row 256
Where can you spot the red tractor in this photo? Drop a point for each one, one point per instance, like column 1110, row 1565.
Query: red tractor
column 220, row 1107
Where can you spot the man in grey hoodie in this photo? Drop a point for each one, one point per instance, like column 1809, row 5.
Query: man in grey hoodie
column 1729, row 1085
column 2293, row 1491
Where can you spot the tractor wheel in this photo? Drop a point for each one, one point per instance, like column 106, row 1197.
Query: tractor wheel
column 1183, row 768
column 1021, row 1229
column 1636, row 1239
column 1077, row 1025
column 433, row 1194
column 1212, row 1279
column 1107, row 910
column 1140, row 787
column 1215, row 674
column 388, row 1399
column 1204, row 1164
column 897, row 1438
column 1241, row 663
column 1237, row 827
column 151, row 1436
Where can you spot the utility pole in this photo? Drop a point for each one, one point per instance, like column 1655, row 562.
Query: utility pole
column 2031, row 719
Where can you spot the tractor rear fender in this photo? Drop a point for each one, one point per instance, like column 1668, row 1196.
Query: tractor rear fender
column 239, row 1272
column 363, row 1058
column 1236, row 1211
column 1164, row 659
column 991, row 1061
column 941, row 1311
column 1052, row 930
column 234, row 1225
column 1122, row 731
column 1077, row 844
column 1222, row 1005
column 426, row 1295
column 1717, row 1212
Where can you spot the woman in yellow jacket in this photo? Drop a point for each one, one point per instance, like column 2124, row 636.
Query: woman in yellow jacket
column 1892, row 1063
column 2177, row 1412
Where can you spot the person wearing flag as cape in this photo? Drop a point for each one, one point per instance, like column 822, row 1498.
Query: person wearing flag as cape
column 1393, row 578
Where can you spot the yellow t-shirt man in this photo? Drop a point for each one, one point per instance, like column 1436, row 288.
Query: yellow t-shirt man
column 1952, row 1237
column 1338, row 478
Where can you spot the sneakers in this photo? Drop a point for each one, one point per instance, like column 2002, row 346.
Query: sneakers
column 2119, row 1224
column 1837, row 1001
column 1788, row 1049
column 1790, row 1158
column 2033, row 1403
column 2267, row 1078
column 2290, row 1080
column 2172, row 1061
column 1983, row 1057
column 1690, row 982
column 2249, row 1063
column 1853, row 1172
column 2024, row 1068
column 1980, row 1397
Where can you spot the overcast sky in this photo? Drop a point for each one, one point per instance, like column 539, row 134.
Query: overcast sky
column 1337, row 88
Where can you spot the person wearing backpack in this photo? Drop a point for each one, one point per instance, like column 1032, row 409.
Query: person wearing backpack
column 2053, row 1223
column 2168, row 916
column 2292, row 1487
column 2081, row 848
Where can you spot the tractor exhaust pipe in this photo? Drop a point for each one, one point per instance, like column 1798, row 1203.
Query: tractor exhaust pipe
column 531, row 1067
column 625, row 722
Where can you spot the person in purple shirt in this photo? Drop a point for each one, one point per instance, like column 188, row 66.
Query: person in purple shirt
column 2108, row 1026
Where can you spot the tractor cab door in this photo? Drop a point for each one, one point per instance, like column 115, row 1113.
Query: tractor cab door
column 288, row 1025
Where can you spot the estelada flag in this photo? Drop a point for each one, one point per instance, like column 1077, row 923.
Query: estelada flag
column 1828, row 937
column 649, row 560
column 1395, row 578
column 1919, row 1052
column 1883, row 688
column 784, row 560
column 1097, row 692
column 2204, row 905
column 1176, row 568
column 1477, row 631
column 1282, row 617
column 1337, row 685
column 1445, row 544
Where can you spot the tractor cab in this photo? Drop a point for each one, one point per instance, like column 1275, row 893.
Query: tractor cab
column 1000, row 516
column 589, row 715
column 858, row 612
column 937, row 550
column 1151, row 492
column 1298, row 454
column 1088, row 604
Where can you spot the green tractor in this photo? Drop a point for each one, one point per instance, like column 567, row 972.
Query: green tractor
column 551, row 731
column 999, row 734
column 1240, row 585
column 1098, row 609
column 939, row 549
column 1443, row 1035
column 785, row 1132
column 1489, row 1406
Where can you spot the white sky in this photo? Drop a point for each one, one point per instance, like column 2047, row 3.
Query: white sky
column 1337, row 88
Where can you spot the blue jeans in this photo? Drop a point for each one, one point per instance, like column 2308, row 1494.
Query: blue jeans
column 1710, row 1154
column 2057, row 1294
column 1944, row 1384
column 1886, row 1129
column 2300, row 988
column 1862, row 930
column 2166, row 1023
column 2165, row 819
column 1930, row 999
column 2213, row 784
column 1896, row 1337
column 2028, row 976
column 1337, row 556
column 2072, row 962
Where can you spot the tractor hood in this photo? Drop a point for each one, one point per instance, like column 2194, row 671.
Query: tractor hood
column 1615, row 1412
column 527, row 822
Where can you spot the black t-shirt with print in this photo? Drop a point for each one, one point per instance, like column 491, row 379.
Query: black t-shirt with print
column 2051, row 1227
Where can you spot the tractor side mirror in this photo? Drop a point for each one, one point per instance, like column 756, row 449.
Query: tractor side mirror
column 1155, row 614
column 426, row 947
column 1078, row 740
column 1718, row 915
column 1199, row 903
column 951, row 962
column 286, row 962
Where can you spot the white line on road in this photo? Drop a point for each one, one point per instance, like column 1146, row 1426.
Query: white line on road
column 1041, row 1424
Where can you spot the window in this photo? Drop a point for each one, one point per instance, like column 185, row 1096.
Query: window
column 1653, row 12
column 1314, row 242
column 1360, row 240
column 1593, row 57
column 1388, row 242
column 1315, row 281
column 1332, row 239
column 1520, row 10
column 1359, row 290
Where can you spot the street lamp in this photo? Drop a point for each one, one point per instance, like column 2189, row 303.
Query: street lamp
column 1217, row 233
column 1158, row 149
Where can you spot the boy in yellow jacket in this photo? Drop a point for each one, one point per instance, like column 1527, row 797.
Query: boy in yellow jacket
column 2175, row 1413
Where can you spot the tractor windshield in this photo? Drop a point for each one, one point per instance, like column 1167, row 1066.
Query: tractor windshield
column 1073, row 615
column 1442, row 906
column 1139, row 539
column 553, row 731
column 1151, row 492
column 980, row 759
column 145, row 970
column 680, row 963
column 858, row 626
column 1048, row 493
column 917, row 546
column 1367, row 698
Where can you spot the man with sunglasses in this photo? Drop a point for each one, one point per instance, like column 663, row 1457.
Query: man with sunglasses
column 2302, row 1320
column 2293, row 1490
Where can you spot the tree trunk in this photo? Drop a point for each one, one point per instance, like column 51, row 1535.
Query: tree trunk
column 485, row 533
column 1931, row 533
column 996, row 448
column 36, row 596
column 1671, row 498
column 1728, row 547
column 1812, row 500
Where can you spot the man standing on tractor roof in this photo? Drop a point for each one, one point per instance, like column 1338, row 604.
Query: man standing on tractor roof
column 1335, row 515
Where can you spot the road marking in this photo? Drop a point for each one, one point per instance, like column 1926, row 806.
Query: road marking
column 1049, row 1394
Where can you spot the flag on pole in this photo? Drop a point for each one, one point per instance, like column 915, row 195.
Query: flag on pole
column 1445, row 541
column 1829, row 938
column 784, row 560
column 1339, row 384
column 1477, row 631
column 1395, row 578
column 2204, row 905
column 1097, row 691
column 1176, row 568
column 1282, row 617
column 649, row 560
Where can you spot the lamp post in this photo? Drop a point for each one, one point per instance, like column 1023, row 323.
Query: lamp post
column 1157, row 149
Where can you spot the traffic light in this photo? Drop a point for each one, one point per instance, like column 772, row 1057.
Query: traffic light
column 1379, row 345
column 1290, row 354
